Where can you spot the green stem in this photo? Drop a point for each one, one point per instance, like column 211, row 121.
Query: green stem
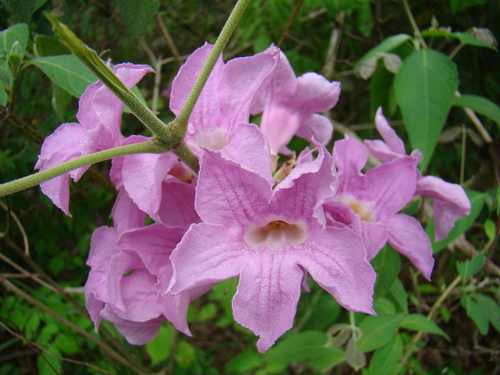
column 35, row 179
column 179, row 125
column 98, row 67
column 414, row 25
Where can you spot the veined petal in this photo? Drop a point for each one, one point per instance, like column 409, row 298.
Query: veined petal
column 207, row 254
column 228, row 194
column 350, row 158
column 336, row 259
column 267, row 296
column 374, row 237
column 177, row 203
column 407, row 236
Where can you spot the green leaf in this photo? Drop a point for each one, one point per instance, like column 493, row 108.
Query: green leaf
column 159, row 348
column 5, row 82
column 66, row 344
column 378, row 330
column 21, row 9
column 16, row 33
column 300, row 347
column 48, row 364
column 480, row 105
column 476, row 313
column 460, row 5
column 49, row 46
column 477, row 200
column 397, row 293
column 137, row 14
column 385, row 359
column 425, row 87
column 67, row 72
column 60, row 101
column 470, row 267
column 244, row 362
column 323, row 313
column 419, row 322
column 386, row 265
column 184, row 354
column 326, row 358
column 465, row 38
column 387, row 45
column 490, row 308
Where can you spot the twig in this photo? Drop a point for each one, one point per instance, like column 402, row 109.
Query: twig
column 19, row 225
column 169, row 40
column 34, row 344
column 290, row 23
column 329, row 68
column 7, row 284
column 416, row 30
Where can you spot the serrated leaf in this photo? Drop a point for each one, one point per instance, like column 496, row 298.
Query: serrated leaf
column 476, row 313
column 470, row 267
column 385, row 359
column 425, row 87
column 419, row 322
column 480, row 105
column 137, row 14
column 387, row 45
column 378, row 330
column 66, row 71
column 477, row 200
column 8, row 37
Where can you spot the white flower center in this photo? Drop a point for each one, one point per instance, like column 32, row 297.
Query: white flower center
column 275, row 233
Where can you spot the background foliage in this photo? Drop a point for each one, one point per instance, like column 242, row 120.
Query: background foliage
column 450, row 325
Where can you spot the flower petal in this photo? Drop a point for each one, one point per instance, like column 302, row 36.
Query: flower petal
column 267, row 296
column 407, row 236
column 336, row 259
column 207, row 254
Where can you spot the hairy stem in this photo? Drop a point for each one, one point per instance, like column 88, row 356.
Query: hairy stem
column 37, row 178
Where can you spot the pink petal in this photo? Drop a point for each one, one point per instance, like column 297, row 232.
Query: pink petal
column 336, row 259
column 302, row 193
column 177, row 204
column 136, row 333
column 229, row 195
column 407, row 236
column 388, row 134
column 126, row 214
column 318, row 127
column 450, row 203
column 248, row 147
column 267, row 296
column 204, row 258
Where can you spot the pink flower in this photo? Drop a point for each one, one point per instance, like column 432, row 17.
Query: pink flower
column 289, row 105
column 450, row 200
column 270, row 238
column 219, row 121
column 99, row 117
column 369, row 203
column 130, row 268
